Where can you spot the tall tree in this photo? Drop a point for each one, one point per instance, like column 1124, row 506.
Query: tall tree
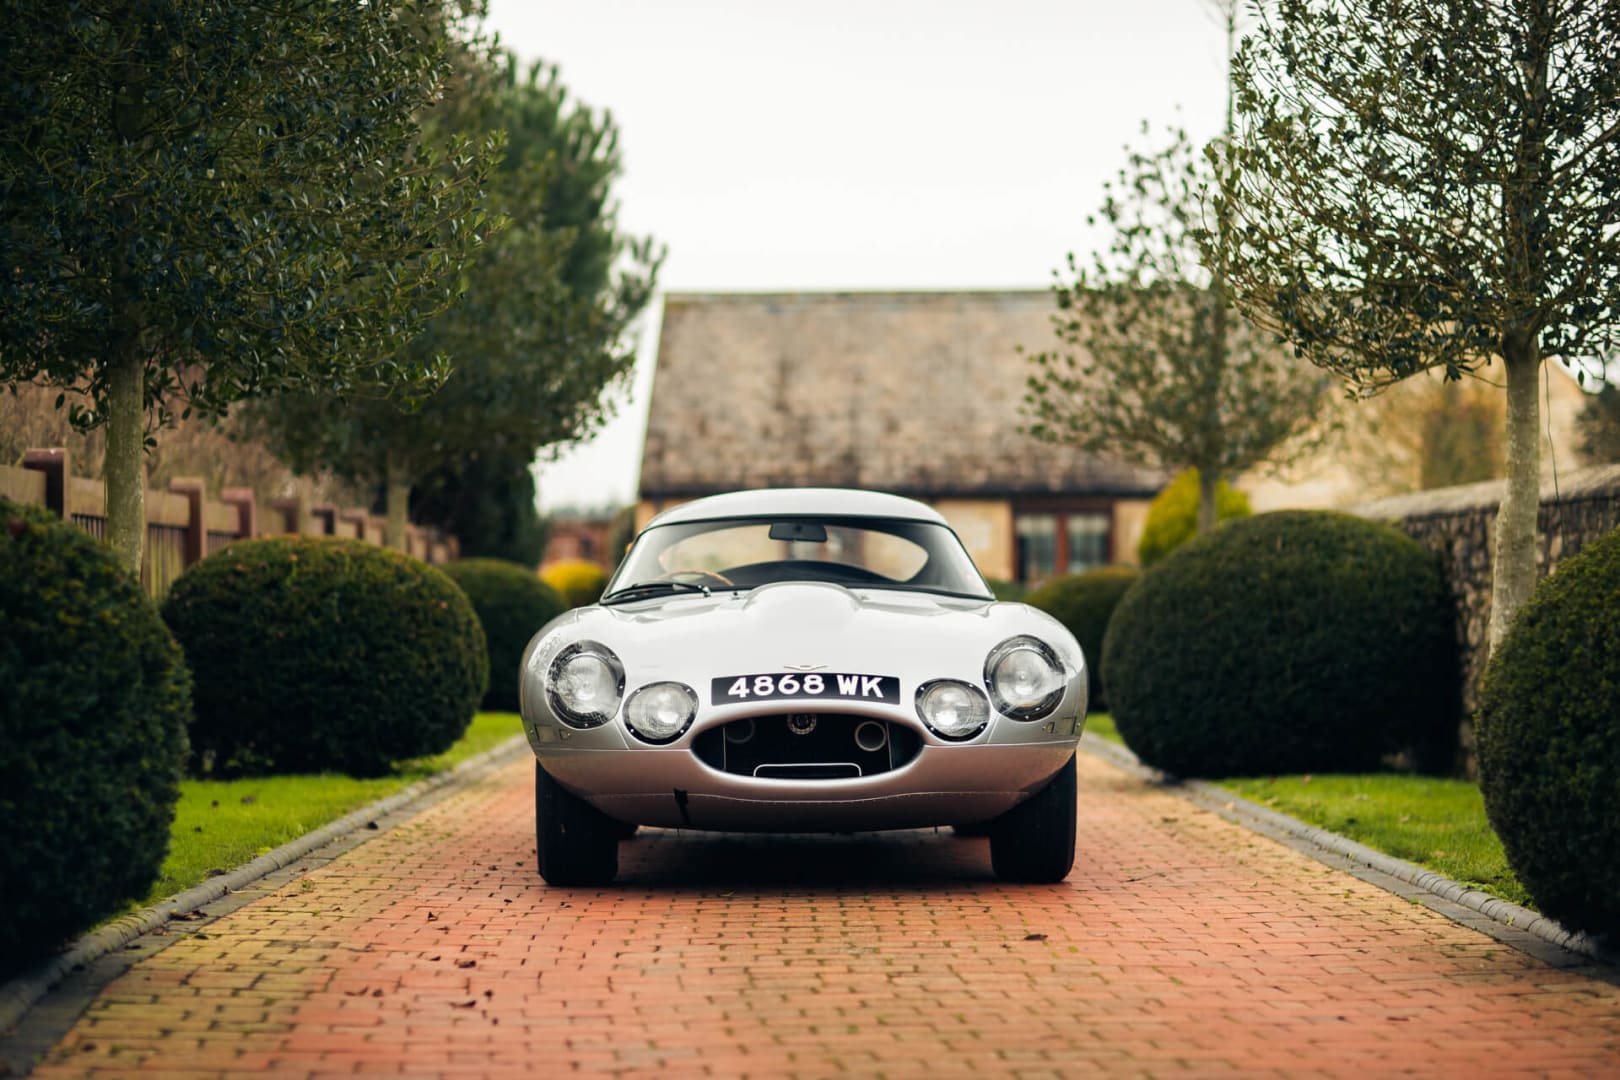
column 1156, row 366
column 1436, row 186
column 208, row 200
column 541, row 334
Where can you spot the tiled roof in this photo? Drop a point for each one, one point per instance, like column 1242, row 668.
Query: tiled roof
column 911, row 392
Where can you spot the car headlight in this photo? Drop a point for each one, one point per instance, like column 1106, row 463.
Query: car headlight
column 952, row 709
column 1025, row 678
column 585, row 684
column 660, row 711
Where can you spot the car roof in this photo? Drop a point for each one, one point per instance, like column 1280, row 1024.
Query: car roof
column 795, row 502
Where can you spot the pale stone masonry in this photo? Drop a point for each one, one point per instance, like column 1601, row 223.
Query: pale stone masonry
column 916, row 393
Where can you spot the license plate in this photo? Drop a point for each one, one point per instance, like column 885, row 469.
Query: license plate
column 790, row 685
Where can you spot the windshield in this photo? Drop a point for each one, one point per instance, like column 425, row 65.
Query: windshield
column 740, row 553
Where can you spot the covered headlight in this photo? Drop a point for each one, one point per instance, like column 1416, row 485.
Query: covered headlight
column 952, row 709
column 660, row 711
column 585, row 684
column 1025, row 678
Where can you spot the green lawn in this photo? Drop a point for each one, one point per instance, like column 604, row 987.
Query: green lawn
column 1437, row 823
column 221, row 824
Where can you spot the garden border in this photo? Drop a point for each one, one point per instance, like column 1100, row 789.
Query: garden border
column 22, row 992
column 1502, row 919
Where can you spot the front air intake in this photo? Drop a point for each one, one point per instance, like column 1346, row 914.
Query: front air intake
column 807, row 746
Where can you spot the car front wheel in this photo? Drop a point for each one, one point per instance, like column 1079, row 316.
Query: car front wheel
column 576, row 843
column 1034, row 841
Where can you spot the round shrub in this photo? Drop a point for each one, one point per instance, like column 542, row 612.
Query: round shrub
column 92, row 734
column 1084, row 603
column 1549, row 741
column 1172, row 517
column 1298, row 641
column 577, row 581
column 311, row 654
column 512, row 605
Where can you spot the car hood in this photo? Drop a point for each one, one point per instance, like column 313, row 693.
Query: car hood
column 807, row 626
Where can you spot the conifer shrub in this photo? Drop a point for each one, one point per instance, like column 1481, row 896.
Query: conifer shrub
column 313, row 654
column 1084, row 603
column 1172, row 517
column 1549, row 741
column 577, row 581
column 92, row 734
column 512, row 606
column 1297, row 641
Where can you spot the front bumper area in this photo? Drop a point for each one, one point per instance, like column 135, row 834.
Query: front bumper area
column 942, row 785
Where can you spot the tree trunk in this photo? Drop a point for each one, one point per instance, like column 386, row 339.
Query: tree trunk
column 1208, row 481
column 126, row 447
column 398, row 501
column 1513, row 561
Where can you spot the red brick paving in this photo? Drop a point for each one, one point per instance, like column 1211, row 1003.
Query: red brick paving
column 1180, row 945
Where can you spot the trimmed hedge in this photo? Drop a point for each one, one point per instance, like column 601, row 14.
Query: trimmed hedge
column 512, row 605
column 92, row 734
column 1297, row 641
column 1172, row 517
column 577, row 581
column 312, row 654
column 1549, row 741
column 1084, row 603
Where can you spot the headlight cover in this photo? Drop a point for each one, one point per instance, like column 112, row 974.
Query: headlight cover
column 585, row 683
column 1025, row 678
column 951, row 709
column 660, row 712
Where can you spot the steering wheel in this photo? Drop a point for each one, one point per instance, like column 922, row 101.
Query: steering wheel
column 696, row 577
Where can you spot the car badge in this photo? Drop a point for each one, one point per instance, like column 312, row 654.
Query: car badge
column 805, row 667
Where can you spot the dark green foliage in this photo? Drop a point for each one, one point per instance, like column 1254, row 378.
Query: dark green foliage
column 512, row 605
column 1172, row 517
column 487, row 502
column 92, row 734
column 1006, row 590
column 1084, row 603
column 1298, row 641
column 1549, row 741
column 313, row 654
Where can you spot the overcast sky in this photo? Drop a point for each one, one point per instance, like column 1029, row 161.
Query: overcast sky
column 885, row 144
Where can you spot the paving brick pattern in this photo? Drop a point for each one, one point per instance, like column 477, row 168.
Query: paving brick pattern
column 1181, row 945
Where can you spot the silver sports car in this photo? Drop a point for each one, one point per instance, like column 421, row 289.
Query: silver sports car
column 803, row 660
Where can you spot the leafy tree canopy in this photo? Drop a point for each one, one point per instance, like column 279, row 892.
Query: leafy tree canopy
column 1435, row 185
column 540, row 336
column 210, row 200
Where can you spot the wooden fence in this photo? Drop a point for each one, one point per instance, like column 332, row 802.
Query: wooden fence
column 184, row 524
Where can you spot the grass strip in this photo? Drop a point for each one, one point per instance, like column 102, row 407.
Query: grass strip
column 1435, row 822
column 221, row 824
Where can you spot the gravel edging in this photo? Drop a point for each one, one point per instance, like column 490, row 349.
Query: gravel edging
column 1253, row 815
column 23, row 991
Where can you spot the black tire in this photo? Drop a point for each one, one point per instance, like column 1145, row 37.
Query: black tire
column 576, row 843
column 1034, row 841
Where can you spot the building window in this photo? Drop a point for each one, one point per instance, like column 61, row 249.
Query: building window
column 1061, row 540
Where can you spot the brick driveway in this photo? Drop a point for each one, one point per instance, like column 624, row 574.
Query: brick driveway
column 1181, row 944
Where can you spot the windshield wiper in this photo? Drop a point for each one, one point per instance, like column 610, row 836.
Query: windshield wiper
column 643, row 589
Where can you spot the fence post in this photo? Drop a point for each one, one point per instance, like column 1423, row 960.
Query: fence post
column 247, row 511
column 193, row 488
column 325, row 520
column 58, row 479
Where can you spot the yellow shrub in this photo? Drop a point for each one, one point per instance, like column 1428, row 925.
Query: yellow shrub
column 577, row 581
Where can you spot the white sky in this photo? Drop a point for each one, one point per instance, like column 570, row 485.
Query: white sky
column 894, row 144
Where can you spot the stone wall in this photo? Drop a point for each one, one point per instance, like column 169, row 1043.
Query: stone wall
column 1458, row 523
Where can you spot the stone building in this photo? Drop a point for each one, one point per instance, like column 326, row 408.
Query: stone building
column 916, row 393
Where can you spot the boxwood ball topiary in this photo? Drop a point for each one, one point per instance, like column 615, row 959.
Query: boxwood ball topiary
column 1298, row 641
column 1084, row 603
column 1549, row 741
column 92, row 734
column 312, row 653
column 512, row 605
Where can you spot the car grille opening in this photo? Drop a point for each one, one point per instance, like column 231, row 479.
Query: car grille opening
column 807, row 746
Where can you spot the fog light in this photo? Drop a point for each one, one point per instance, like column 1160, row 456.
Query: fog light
column 659, row 712
column 952, row 709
